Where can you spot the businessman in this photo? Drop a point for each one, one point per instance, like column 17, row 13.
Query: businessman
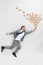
column 18, row 36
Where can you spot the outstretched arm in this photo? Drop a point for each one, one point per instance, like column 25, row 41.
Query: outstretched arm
column 10, row 33
column 17, row 31
column 31, row 30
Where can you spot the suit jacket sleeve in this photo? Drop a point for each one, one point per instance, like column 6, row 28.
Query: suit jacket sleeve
column 17, row 31
column 28, row 32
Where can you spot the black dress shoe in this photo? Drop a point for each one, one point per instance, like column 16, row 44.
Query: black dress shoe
column 14, row 54
column 2, row 48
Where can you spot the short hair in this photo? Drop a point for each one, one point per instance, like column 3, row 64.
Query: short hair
column 22, row 26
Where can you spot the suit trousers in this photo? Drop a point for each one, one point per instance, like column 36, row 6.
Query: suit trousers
column 14, row 44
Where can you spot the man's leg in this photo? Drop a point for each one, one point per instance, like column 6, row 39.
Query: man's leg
column 9, row 47
column 17, row 49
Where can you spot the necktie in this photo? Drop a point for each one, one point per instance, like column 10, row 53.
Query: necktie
column 19, row 33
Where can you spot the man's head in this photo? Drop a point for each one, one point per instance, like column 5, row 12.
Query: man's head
column 23, row 28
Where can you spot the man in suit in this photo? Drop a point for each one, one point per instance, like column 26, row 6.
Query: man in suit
column 18, row 36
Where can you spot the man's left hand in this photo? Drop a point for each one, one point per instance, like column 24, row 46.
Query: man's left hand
column 35, row 28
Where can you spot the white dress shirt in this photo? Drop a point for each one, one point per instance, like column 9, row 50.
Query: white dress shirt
column 18, row 38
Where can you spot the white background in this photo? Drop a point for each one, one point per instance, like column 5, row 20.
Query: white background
column 10, row 20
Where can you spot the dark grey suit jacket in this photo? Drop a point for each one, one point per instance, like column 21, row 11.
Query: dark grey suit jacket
column 18, row 31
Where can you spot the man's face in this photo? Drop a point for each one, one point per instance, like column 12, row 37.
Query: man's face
column 23, row 29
